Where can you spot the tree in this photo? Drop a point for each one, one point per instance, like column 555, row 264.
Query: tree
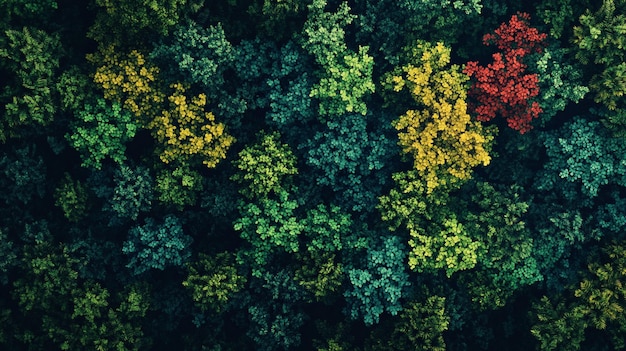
column 560, row 81
column 133, row 192
column 28, row 93
column 349, row 157
column 23, row 175
column 345, row 76
column 126, row 21
column 271, row 227
column 63, row 311
column 265, row 167
column 503, row 88
column 178, row 187
column 129, row 79
column 157, row 245
column 599, row 39
column 583, row 153
column 72, row 197
column 444, row 143
column 597, row 302
column 378, row 285
column 212, row 281
column 101, row 131
column 185, row 131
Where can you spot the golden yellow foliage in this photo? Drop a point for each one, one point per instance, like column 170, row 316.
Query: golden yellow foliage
column 130, row 80
column 444, row 142
column 186, row 130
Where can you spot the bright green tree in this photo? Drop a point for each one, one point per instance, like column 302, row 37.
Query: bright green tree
column 345, row 77
column 265, row 167
column 101, row 131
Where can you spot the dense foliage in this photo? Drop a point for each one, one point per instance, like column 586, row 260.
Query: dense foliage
column 325, row 175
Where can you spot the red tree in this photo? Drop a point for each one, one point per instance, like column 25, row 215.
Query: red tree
column 503, row 87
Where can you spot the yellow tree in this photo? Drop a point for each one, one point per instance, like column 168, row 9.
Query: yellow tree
column 130, row 80
column 186, row 130
column 444, row 143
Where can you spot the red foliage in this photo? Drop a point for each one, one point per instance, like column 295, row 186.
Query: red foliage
column 503, row 87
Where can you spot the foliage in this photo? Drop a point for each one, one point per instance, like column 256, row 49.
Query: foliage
column 23, row 175
column 101, row 131
column 597, row 302
column 345, row 155
column 133, row 192
column 503, row 87
column 380, row 284
column 178, row 187
column 265, row 167
column 444, row 142
column 157, row 245
column 212, row 280
column 271, row 227
column 423, row 324
column 560, row 83
column 71, row 196
column 122, row 21
column 185, row 130
column 130, row 80
column 599, row 41
column 582, row 152
column 346, row 76
column 71, row 313
column 28, row 90
column 196, row 55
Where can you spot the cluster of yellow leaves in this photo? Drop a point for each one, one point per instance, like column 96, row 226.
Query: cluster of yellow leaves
column 185, row 130
column 129, row 80
column 444, row 142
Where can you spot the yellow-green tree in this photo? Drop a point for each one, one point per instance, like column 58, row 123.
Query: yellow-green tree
column 438, row 133
column 186, row 130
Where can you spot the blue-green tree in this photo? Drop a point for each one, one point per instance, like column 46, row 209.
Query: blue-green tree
column 157, row 245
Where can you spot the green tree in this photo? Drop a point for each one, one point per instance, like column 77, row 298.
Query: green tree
column 131, row 21
column 72, row 197
column 271, row 227
column 178, row 187
column 350, row 158
column 63, row 311
column 265, row 167
column 157, row 245
column 101, row 131
column 599, row 39
column 22, row 175
column 345, row 77
column 30, row 65
column 582, row 152
column 596, row 302
column 212, row 280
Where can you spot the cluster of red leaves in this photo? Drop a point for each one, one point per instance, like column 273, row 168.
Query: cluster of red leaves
column 503, row 87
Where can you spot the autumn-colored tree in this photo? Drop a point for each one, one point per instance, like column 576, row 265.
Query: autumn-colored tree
column 504, row 88
column 130, row 80
column 185, row 130
column 438, row 134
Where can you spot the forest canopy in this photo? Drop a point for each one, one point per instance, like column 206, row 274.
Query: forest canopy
column 324, row 175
